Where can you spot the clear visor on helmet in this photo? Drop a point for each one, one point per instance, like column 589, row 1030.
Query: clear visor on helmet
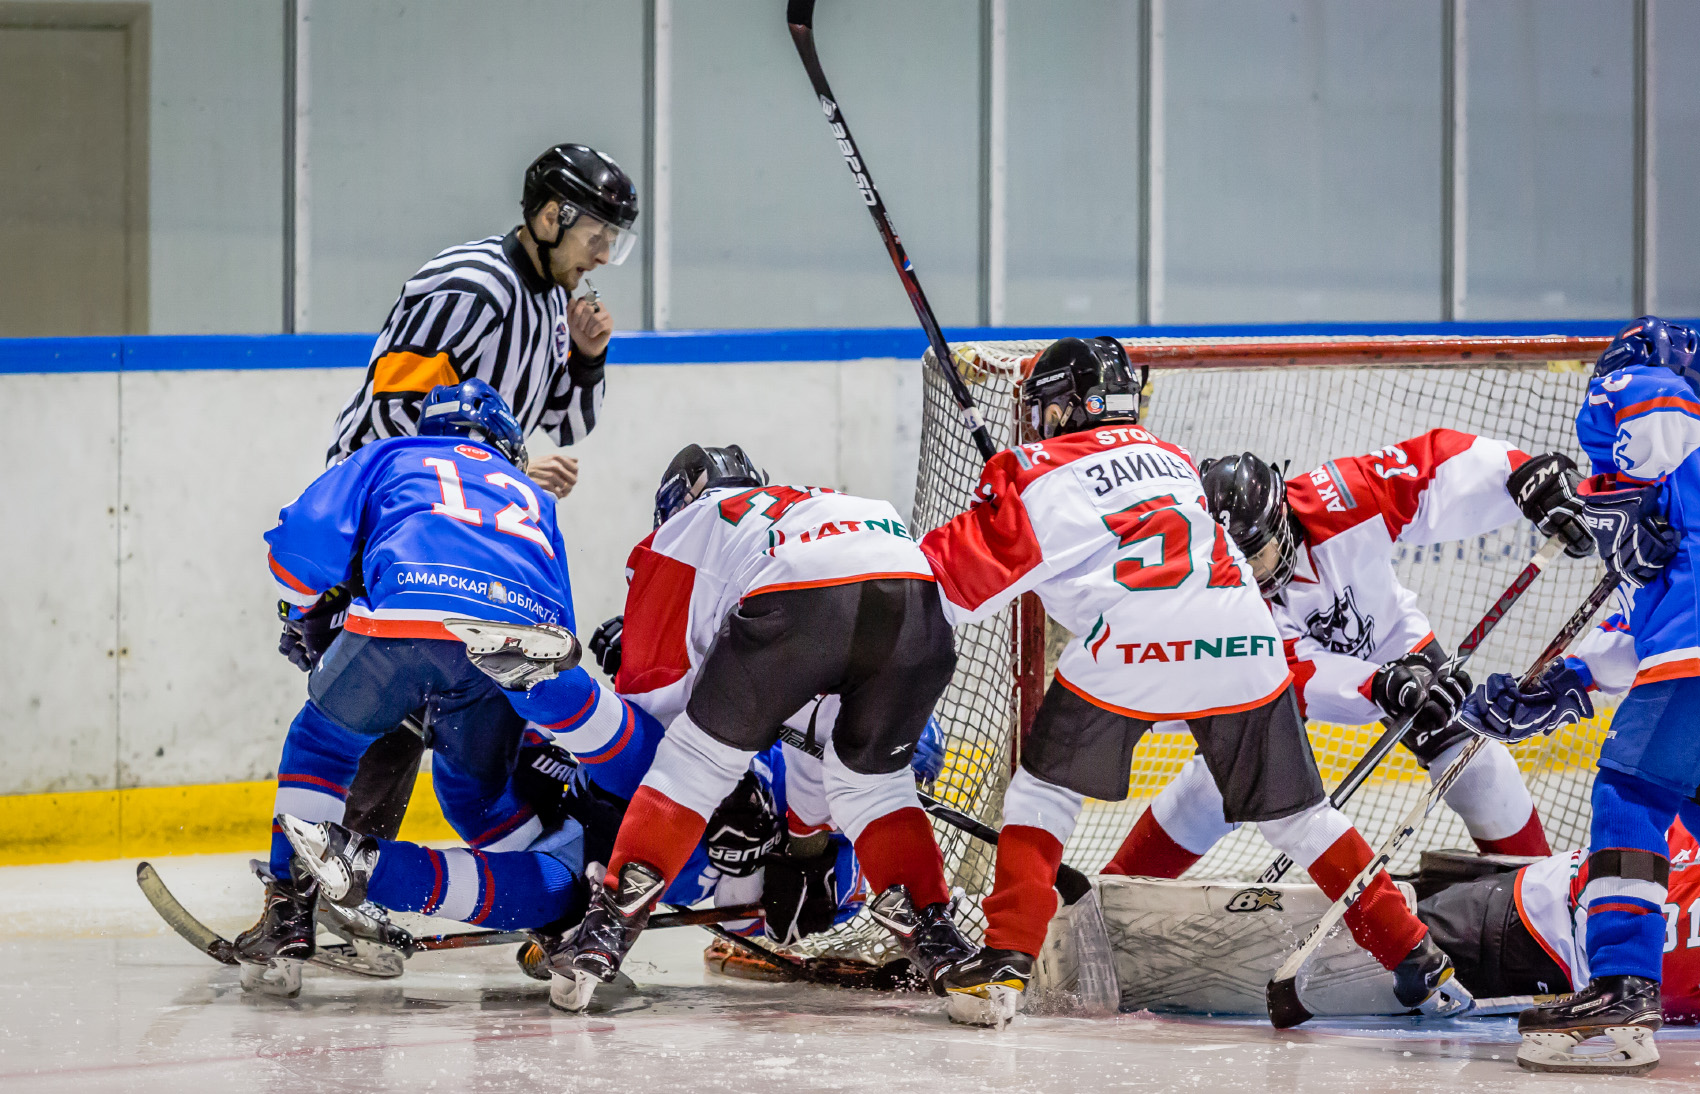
column 607, row 243
column 1050, row 404
column 1272, row 564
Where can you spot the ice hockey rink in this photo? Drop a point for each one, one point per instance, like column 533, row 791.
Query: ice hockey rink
column 97, row 994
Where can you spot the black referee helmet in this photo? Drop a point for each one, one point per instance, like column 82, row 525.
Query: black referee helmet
column 586, row 183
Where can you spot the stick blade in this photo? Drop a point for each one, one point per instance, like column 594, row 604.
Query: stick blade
column 1285, row 1009
column 177, row 917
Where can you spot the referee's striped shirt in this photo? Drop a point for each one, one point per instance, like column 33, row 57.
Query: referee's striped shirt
column 477, row 310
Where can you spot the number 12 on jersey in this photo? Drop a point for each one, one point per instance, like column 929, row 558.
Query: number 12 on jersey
column 514, row 520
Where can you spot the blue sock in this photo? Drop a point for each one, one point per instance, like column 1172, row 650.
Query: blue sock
column 318, row 764
column 1628, row 875
column 505, row 890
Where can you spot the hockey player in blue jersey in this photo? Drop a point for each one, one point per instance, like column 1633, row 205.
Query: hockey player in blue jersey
column 415, row 530
column 1640, row 426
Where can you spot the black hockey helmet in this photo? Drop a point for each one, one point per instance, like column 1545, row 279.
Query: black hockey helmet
column 697, row 470
column 587, row 183
column 1249, row 499
column 1076, row 384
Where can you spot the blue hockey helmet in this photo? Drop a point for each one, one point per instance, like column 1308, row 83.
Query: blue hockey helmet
column 472, row 408
column 1650, row 340
column 697, row 470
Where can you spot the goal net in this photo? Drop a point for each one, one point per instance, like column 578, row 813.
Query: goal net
column 1296, row 402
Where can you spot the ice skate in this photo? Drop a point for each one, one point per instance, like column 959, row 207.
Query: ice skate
column 1624, row 1009
column 988, row 988
column 339, row 860
column 929, row 936
column 516, row 655
column 592, row 954
column 273, row 950
column 375, row 946
column 1424, row 981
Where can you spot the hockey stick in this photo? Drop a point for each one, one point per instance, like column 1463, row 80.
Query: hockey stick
column 1282, row 992
column 800, row 14
column 1378, row 751
column 222, row 950
column 1071, row 883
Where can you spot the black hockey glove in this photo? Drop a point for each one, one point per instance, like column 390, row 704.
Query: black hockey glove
column 306, row 637
column 1635, row 541
column 1506, row 712
column 540, row 778
column 605, row 645
column 1398, row 687
column 1445, row 696
column 1544, row 488
column 745, row 828
column 799, row 896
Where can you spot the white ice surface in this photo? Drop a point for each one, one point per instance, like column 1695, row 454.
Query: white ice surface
column 97, row 994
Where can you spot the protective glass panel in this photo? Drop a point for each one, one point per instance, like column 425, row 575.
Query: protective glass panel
column 1551, row 159
column 1303, row 152
column 1073, row 163
column 1676, row 131
column 768, row 227
column 425, row 115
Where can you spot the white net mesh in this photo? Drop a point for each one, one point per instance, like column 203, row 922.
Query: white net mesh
column 1284, row 411
column 1270, row 397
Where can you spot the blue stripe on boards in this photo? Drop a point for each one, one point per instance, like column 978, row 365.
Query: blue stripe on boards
column 192, row 352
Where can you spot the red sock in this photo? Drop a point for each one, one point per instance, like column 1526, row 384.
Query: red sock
column 1380, row 920
column 657, row 831
column 899, row 849
column 1024, row 895
column 1531, row 839
column 1150, row 852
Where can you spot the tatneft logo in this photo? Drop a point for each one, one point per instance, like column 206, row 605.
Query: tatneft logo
column 1238, row 645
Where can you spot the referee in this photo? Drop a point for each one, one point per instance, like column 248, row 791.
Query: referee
column 499, row 309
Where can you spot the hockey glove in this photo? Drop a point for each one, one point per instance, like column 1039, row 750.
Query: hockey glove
column 928, row 760
column 308, row 635
column 540, row 779
column 1544, row 488
column 1445, row 697
column 605, row 645
column 745, row 828
column 799, row 896
column 1499, row 709
column 1634, row 540
column 1399, row 687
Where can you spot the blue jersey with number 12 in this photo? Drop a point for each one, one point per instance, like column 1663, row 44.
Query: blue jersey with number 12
column 438, row 526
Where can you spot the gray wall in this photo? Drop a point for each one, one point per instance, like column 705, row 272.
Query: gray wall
column 1302, row 155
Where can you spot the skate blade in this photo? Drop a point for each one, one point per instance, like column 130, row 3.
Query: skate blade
column 537, row 643
column 572, row 991
column 992, row 1006
column 1632, row 1052
column 362, row 957
column 280, row 977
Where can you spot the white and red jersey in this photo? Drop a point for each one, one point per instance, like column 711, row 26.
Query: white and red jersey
column 1345, row 614
column 1110, row 528
column 1549, row 894
column 735, row 542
